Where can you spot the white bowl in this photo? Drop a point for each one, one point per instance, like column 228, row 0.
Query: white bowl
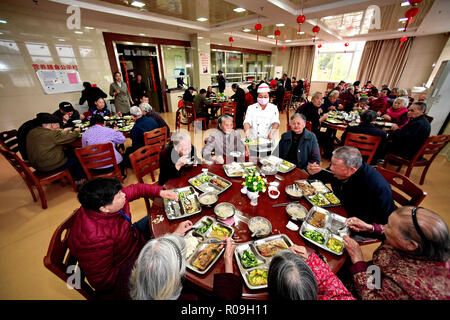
column 271, row 188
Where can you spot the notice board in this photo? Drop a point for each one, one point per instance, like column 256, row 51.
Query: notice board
column 59, row 80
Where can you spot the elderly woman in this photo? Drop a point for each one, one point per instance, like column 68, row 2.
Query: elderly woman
column 413, row 261
column 293, row 275
column 122, row 98
column 348, row 98
column 100, row 109
column 178, row 154
column 298, row 145
column 363, row 104
column 223, row 142
column 331, row 102
column 148, row 111
column 398, row 113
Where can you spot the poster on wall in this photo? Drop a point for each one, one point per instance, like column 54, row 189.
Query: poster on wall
column 204, row 62
column 278, row 72
column 58, row 78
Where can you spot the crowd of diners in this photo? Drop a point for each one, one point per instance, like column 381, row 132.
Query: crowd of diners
column 123, row 260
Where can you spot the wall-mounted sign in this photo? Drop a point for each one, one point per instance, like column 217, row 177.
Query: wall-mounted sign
column 204, row 62
column 58, row 78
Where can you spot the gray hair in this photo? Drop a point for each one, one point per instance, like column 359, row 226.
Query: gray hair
column 315, row 94
column 158, row 271
column 145, row 107
column 290, row 278
column 422, row 105
column 177, row 137
column 333, row 93
column 224, row 117
column 135, row 111
column 402, row 92
column 295, row 115
column 350, row 155
column 350, row 88
column 404, row 101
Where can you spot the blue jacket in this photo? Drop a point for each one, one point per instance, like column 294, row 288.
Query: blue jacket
column 142, row 125
column 308, row 148
column 365, row 195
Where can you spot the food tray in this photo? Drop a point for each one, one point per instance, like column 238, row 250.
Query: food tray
column 206, row 186
column 328, row 231
column 321, row 195
column 238, row 169
column 203, row 236
column 178, row 209
column 335, row 121
column 264, row 261
column 257, row 142
column 283, row 166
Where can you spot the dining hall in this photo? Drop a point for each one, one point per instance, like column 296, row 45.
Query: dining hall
column 224, row 150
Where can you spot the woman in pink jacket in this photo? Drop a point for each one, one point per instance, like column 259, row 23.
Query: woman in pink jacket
column 398, row 113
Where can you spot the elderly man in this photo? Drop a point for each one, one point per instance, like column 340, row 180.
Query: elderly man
column 298, row 145
column 148, row 111
column 142, row 124
column 223, row 142
column 91, row 94
column 201, row 105
column 363, row 191
column 45, row 147
column 409, row 139
column 262, row 118
column 66, row 114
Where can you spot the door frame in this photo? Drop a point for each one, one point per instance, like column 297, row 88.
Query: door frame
column 128, row 39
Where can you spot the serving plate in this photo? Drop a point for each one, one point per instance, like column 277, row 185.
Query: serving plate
column 187, row 196
column 319, row 194
column 238, row 169
column 283, row 166
column 203, row 183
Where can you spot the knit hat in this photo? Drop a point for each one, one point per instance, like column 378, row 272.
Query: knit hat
column 263, row 88
column 46, row 118
column 66, row 106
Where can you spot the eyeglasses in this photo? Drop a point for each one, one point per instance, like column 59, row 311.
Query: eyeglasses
column 416, row 224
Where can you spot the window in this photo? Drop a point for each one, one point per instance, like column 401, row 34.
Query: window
column 176, row 61
column 336, row 62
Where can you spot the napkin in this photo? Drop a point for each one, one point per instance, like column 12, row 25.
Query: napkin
column 292, row 226
column 230, row 221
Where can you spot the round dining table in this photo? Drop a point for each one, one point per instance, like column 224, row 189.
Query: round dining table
column 276, row 215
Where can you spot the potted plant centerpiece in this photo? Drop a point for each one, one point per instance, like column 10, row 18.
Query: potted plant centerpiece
column 253, row 184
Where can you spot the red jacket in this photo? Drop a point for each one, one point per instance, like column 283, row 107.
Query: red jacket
column 105, row 245
column 380, row 104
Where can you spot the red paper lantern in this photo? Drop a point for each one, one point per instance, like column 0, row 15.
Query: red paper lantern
column 231, row 40
column 316, row 29
column 414, row 2
column 319, row 46
column 300, row 19
column 277, row 34
column 284, row 48
column 258, row 28
column 410, row 14
column 402, row 39
column 346, row 45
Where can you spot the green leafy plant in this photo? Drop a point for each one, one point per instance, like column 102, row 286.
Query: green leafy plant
column 254, row 182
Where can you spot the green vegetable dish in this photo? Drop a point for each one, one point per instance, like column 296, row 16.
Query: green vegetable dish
column 248, row 259
column 332, row 198
column 206, row 225
column 318, row 200
column 205, row 178
column 196, row 182
column 315, row 236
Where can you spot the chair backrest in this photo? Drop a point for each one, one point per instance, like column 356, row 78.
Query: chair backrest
column 432, row 146
column 97, row 156
column 156, row 137
column 59, row 259
column 429, row 118
column 308, row 125
column 178, row 120
column 405, row 185
column 180, row 103
column 190, row 111
column 145, row 160
column 8, row 140
column 231, row 110
column 20, row 166
column 366, row 144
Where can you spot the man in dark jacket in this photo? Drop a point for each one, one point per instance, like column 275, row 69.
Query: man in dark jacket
column 241, row 105
column 363, row 191
column 91, row 94
column 298, row 145
column 221, row 81
column 286, row 82
column 138, row 89
column 188, row 94
column 66, row 114
column 279, row 96
column 410, row 138
column 142, row 125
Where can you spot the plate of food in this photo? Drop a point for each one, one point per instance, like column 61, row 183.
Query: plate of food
column 306, row 188
column 187, row 205
column 210, row 182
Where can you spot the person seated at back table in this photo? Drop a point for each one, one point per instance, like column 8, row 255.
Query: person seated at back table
column 293, row 274
column 362, row 190
column 362, row 105
column 348, row 98
column 142, row 124
column 393, row 95
column 90, row 94
column 279, row 96
column 103, row 238
column 366, row 127
column 210, row 93
column 178, row 154
column 148, row 111
column 188, row 94
column 45, row 147
column 100, row 109
column 331, row 102
column 380, row 104
column 398, row 113
column 413, row 260
column 99, row 134
column 407, row 141
column 223, row 141
column 66, row 114
column 298, row 145
column 200, row 105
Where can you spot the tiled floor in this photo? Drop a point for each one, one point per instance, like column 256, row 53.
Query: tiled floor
column 26, row 229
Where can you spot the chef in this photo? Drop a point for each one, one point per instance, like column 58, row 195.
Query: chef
column 262, row 118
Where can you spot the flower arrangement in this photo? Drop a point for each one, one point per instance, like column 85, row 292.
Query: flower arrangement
column 254, row 182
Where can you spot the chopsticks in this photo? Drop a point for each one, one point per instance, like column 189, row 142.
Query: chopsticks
column 217, row 241
column 283, row 204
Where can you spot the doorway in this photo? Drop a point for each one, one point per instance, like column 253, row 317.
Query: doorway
column 137, row 59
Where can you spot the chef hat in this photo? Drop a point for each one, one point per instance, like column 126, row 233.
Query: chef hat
column 263, row 88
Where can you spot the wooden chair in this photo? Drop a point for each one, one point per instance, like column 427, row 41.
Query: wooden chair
column 429, row 118
column 156, row 137
column 8, row 140
column 192, row 116
column 230, row 109
column 58, row 258
column 308, row 125
column 366, row 144
column 286, row 101
column 405, row 185
column 432, row 146
column 97, row 156
column 145, row 160
column 36, row 178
